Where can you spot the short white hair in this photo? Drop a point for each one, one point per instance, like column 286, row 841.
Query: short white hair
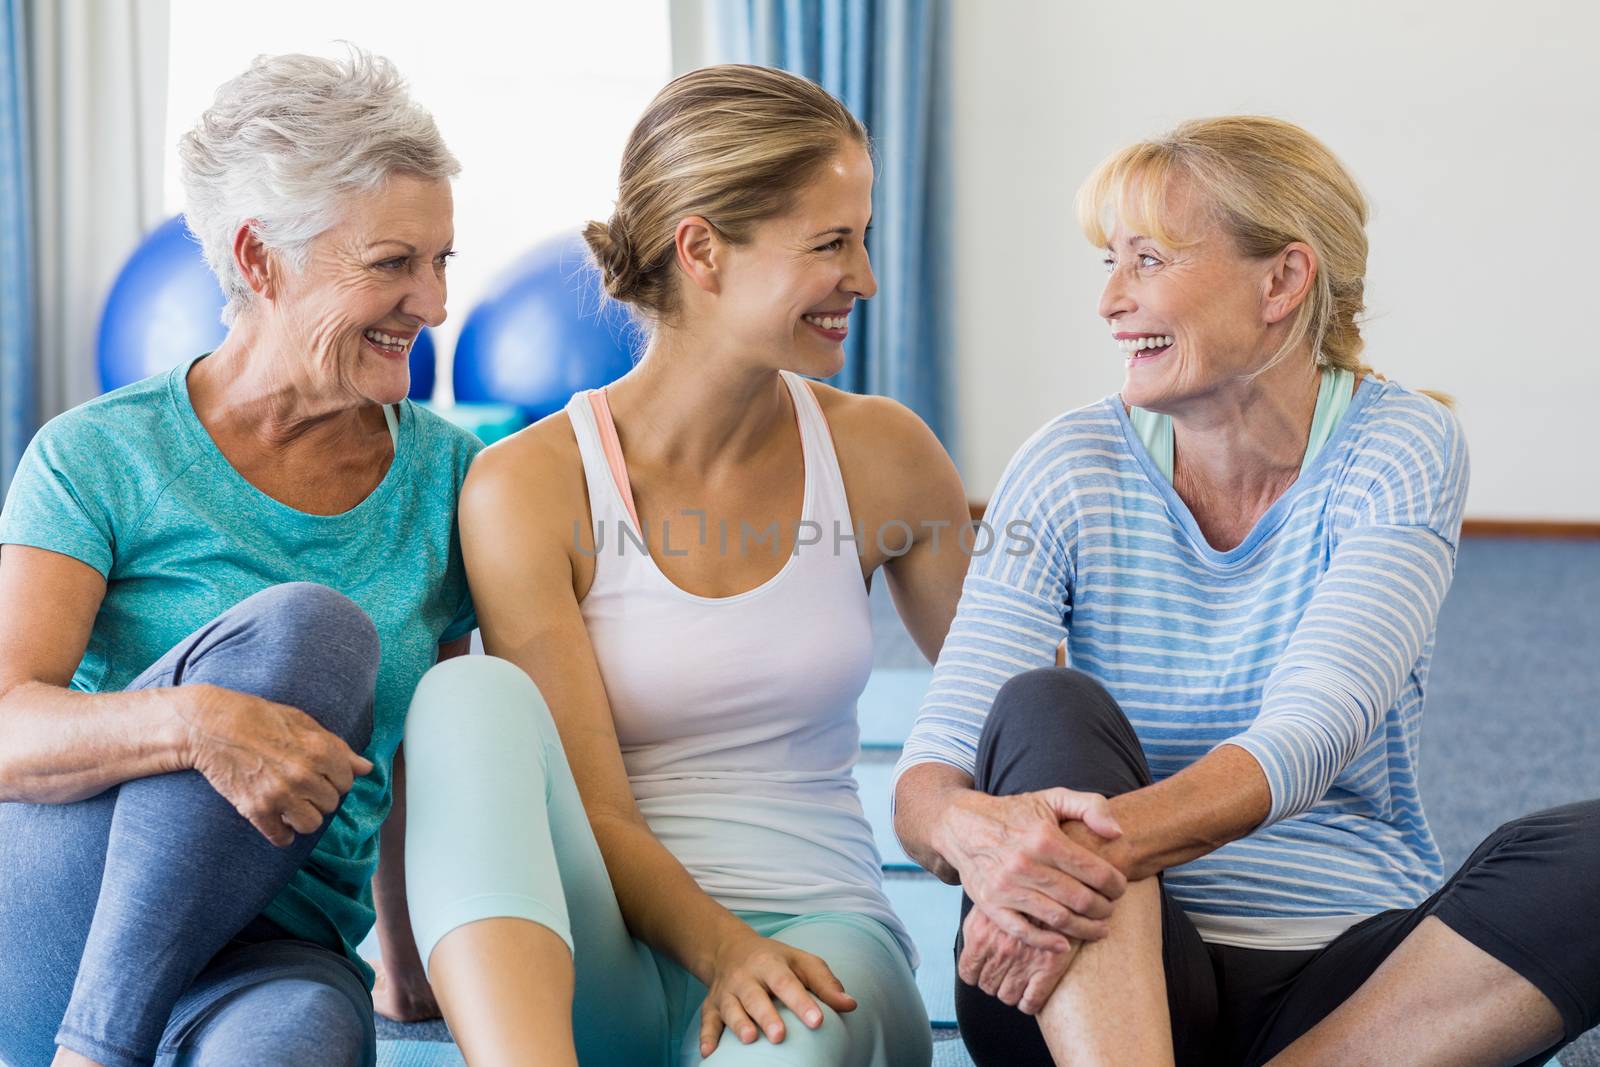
column 286, row 141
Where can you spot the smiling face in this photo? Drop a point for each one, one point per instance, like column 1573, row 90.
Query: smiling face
column 369, row 286
column 789, row 290
column 1190, row 320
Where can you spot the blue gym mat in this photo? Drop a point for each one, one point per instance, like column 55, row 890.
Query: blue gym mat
column 408, row 1053
column 1510, row 703
column 404, row 1052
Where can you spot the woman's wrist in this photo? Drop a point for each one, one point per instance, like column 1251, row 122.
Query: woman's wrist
column 946, row 836
column 928, row 798
column 184, row 709
column 730, row 931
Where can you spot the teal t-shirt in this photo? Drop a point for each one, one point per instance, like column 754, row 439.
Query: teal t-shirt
column 133, row 485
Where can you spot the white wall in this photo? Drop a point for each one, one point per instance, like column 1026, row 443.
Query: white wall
column 1472, row 126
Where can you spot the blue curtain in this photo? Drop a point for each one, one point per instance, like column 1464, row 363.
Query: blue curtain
column 887, row 60
column 16, row 244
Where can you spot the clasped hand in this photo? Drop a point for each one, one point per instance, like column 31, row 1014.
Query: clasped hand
column 275, row 764
column 1037, row 869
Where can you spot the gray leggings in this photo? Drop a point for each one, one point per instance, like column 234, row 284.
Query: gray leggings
column 130, row 926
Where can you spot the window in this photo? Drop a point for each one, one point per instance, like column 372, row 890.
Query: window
column 536, row 100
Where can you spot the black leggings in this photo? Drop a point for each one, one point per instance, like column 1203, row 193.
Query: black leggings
column 1527, row 897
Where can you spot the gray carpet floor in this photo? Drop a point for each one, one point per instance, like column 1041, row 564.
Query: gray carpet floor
column 1511, row 724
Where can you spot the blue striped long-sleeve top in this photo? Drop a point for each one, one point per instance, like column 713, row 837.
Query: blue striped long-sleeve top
column 1307, row 645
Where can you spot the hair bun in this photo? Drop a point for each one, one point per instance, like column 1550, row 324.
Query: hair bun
column 614, row 255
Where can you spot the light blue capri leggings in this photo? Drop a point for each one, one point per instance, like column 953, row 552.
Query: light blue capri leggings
column 495, row 828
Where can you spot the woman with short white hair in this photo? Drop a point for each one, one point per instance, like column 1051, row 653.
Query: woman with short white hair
column 198, row 572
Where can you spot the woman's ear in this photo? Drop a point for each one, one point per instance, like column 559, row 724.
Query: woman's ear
column 256, row 264
column 1294, row 270
column 699, row 250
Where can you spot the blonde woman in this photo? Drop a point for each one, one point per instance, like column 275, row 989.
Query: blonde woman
column 680, row 562
column 1245, row 553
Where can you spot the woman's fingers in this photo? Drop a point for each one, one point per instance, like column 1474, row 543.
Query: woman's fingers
column 302, row 816
column 757, row 1003
column 974, row 954
column 1007, row 969
column 1017, row 924
column 1041, row 986
column 272, row 827
column 792, row 992
column 979, row 939
column 1057, row 856
column 710, row 1028
column 1065, row 893
column 322, row 794
column 275, row 764
column 1091, row 809
column 757, row 976
column 997, row 957
column 1045, row 911
column 997, row 965
column 821, row 980
column 1010, row 986
column 735, row 1018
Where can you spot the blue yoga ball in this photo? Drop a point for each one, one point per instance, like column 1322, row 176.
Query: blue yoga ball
column 424, row 368
column 545, row 331
column 166, row 307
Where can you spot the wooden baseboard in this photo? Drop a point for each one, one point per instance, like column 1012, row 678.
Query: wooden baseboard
column 1548, row 530
column 1536, row 528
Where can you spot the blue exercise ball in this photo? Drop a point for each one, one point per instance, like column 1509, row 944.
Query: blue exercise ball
column 166, row 307
column 424, row 366
column 545, row 331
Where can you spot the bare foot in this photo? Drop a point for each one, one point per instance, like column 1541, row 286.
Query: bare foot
column 65, row 1057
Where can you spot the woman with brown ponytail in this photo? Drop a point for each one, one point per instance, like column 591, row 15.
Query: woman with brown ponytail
column 653, row 851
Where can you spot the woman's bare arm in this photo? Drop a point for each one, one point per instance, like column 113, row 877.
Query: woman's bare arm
column 517, row 515
column 906, row 488
column 58, row 745
column 275, row 764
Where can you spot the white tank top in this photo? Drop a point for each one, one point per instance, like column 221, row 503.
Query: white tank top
column 737, row 715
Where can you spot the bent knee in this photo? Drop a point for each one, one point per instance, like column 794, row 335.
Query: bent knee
column 1055, row 726
column 477, row 704
column 312, row 615
column 1567, row 837
column 1049, row 692
column 801, row 1046
column 1050, row 701
column 307, row 636
column 492, row 687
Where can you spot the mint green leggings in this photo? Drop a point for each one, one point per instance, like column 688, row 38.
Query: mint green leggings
column 495, row 828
